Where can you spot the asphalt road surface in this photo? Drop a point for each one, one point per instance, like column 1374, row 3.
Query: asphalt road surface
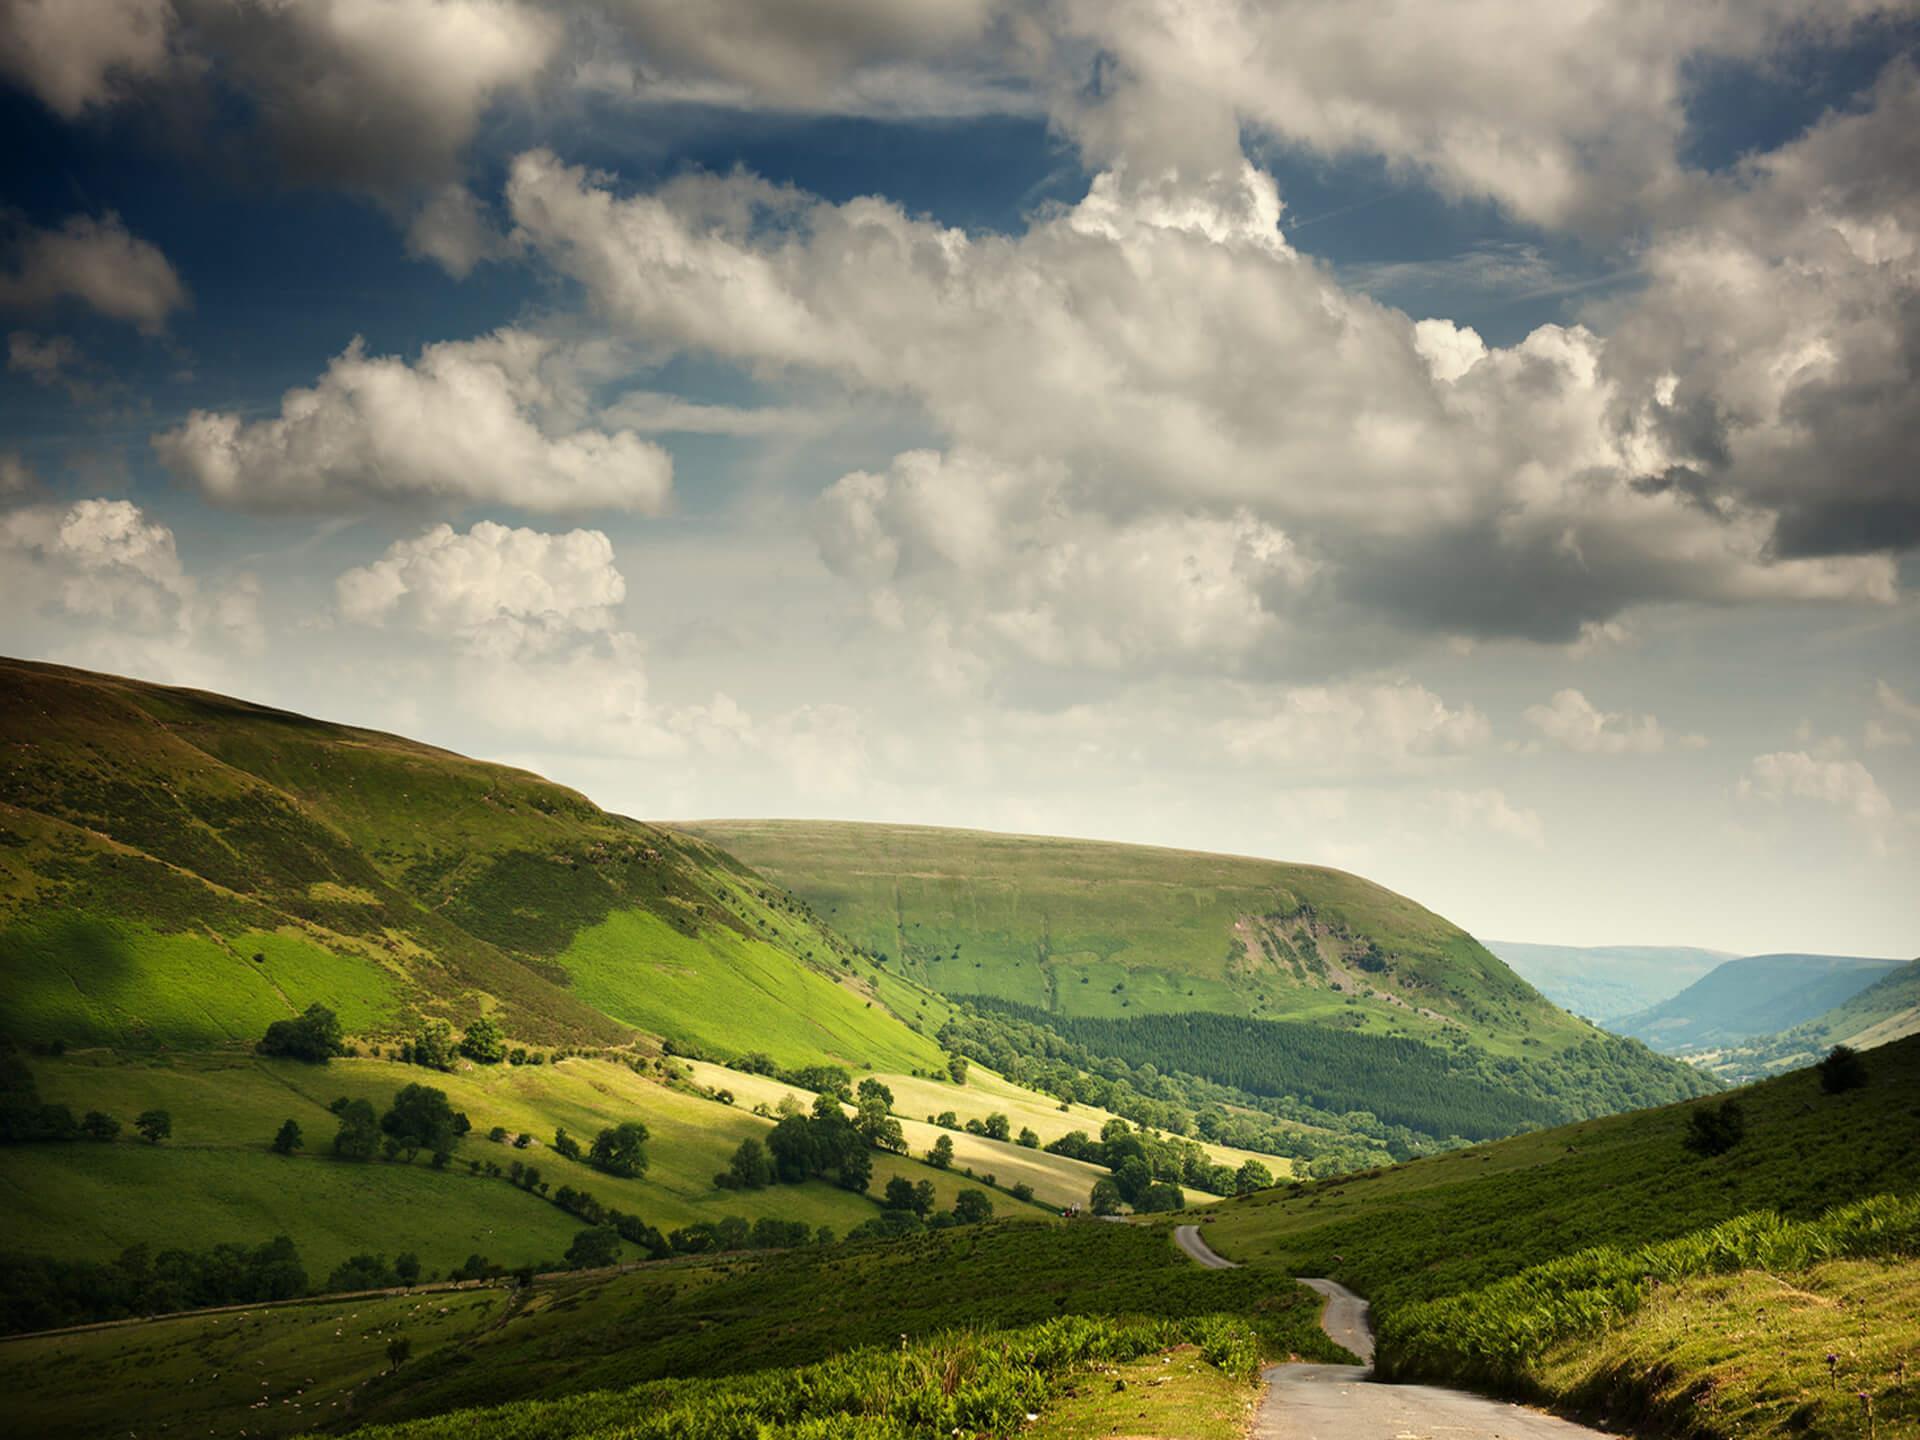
column 1343, row 1402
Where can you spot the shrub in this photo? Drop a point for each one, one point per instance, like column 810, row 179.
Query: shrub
column 287, row 1140
column 1842, row 1070
column 621, row 1149
column 1715, row 1129
column 484, row 1042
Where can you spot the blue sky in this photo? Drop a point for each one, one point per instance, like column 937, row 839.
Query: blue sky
column 1475, row 452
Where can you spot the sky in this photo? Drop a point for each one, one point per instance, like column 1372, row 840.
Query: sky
column 1473, row 446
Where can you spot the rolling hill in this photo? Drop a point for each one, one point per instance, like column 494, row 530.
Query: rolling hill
column 178, row 869
column 1274, row 980
column 1604, row 982
column 1751, row 996
column 1887, row 1010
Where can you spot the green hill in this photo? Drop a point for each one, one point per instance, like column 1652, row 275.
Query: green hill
column 180, row 869
column 1274, row 980
column 1751, row 996
column 1887, row 1010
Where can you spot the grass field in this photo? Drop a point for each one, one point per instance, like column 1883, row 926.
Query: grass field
column 1086, row 928
column 725, row 992
column 1171, row 1394
column 1057, row 1180
column 217, row 1180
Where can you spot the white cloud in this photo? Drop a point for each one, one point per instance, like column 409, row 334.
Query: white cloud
column 1574, row 722
column 108, row 580
column 450, row 229
column 653, row 413
column 1846, row 785
column 997, row 559
column 495, row 420
column 16, row 476
column 1490, row 810
column 376, row 95
column 1394, row 724
column 96, row 261
column 496, row 590
column 78, row 55
column 1157, row 355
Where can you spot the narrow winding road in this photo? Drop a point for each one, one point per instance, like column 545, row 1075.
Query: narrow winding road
column 1344, row 1402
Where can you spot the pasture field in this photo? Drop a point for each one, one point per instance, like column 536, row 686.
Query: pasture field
column 721, row 991
column 1057, row 1180
column 986, row 1092
column 219, row 1181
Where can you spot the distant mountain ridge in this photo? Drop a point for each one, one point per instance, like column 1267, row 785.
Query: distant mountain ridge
column 1605, row 982
column 1752, row 996
column 1886, row 1011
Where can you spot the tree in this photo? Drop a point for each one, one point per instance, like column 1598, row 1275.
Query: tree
column 923, row 1198
column 314, row 1037
column 970, row 1207
column 941, row 1155
column 288, row 1140
column 1714, row 1130
column 1160, row 1197
column 565, row 1146
column 1105, row 1199
column 98, row 1125
column 406, row 1268
column 875, row 1124
column 1132, row 1177
column 594, row 1249
column 791, row 1145
column 1028, row 1138
column 484, row 1042
column 997, row 1127
column 872, row 1089
column 957, row 1068
column 898, row 1194
column 421, row 1119
column 359, row 1134
column 399, row 1349
column 433, row 1047
column 1842, row 1070
column 154, row 1125
column 1250, row 1177
column 621, row 1149
column 750, row 1169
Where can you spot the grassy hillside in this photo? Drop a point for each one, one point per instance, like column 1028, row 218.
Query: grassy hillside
column 177, row 869
column 219, row 1181
column 1604, row 982
column 1549, row 1265
column 1886, row 1011
column 1751, row 996
column 1281, row 982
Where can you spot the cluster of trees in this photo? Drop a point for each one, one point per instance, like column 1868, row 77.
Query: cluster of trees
column 420, row 1118
column 37, row 1293
column 25, row 1118
column 995, row 1127
column 902, row 1195
column 1140, row 1160
column 823, row 1144
column 314, row 1037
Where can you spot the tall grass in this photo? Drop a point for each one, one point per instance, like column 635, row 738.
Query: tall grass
column 1493, row 1335
column 965, row 1382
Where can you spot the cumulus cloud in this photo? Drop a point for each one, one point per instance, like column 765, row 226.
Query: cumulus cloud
column 95, row 261
column 117, row 571
column 497, row 419
column 78, row 55
column 1574, row 722
column 497, row 590
column 1489, row 810
column 1158, row 355
column 999, row 557
column 1840, row 784
column 1394, row 724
